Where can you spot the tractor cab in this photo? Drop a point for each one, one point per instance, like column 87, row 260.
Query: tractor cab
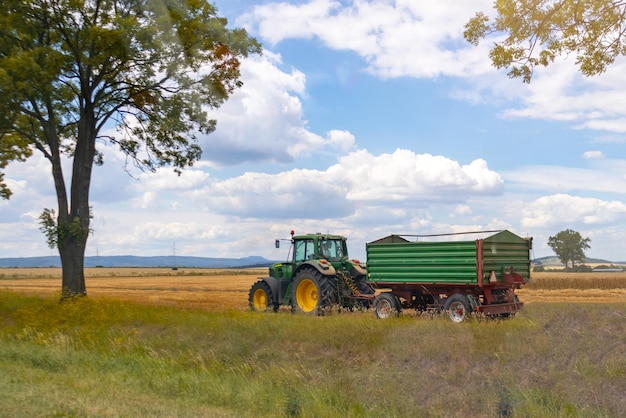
column 317, row 247
column 318, row 250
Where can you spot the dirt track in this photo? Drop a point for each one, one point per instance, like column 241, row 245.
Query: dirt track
column 216, row 289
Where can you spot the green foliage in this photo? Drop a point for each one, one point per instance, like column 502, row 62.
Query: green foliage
column 582, row 268
column 70, row 67
column 12, row 148
column 150, row 66
column 57, row 231
column 569, row 245
column 100, row 357
column 539, row 31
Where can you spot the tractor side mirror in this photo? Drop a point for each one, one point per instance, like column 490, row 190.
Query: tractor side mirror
column 277, row 243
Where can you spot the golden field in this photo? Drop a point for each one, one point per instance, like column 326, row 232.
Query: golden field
column 217, row 289
column 212, row 289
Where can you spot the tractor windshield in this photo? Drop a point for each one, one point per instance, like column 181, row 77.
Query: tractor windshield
column 305, row 250
column 332, row 249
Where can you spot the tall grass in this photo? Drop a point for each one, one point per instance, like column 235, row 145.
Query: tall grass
column 103, row 357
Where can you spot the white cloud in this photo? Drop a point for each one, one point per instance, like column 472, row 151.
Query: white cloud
column 147, row 200
column 419, row 39
column 424, row 39
column 617, row 125
column 167, row 179
column 399, row 179
column 589, row 155
column 264, row 121
column 559, row 93
column 562, row 209
column 610, row 139
column 463, row 210
column 404, row 176
column 362, row 195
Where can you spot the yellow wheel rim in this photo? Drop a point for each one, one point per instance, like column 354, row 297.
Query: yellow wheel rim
column 306, row 295
column 259, row 299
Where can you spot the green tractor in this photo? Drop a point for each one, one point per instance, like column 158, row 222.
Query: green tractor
column 318, row 276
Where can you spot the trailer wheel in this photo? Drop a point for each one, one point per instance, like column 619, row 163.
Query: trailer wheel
column 458, row 307
column 311, row 291
column 386, row 305
column 260, row 297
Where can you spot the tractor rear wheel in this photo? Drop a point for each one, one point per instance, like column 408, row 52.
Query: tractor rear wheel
column 311, row 291
column 458, row 308
column 387, row 305
column 260, row 297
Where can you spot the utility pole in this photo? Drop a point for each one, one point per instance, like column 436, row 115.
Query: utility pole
column 174, row 255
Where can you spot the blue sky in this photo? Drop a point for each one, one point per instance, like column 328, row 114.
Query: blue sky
column 365, row 118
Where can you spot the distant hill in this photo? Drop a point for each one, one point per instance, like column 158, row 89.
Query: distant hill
column 199, row 262
column 135, row 261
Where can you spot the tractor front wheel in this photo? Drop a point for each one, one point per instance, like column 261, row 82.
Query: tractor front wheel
column 311, row 291
column 260, row 297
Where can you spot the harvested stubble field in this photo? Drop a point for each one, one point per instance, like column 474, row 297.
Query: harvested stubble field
column 212, row 289
column 216, row 289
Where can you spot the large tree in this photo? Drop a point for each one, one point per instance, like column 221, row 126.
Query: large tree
column 569, row 245
column 69, row 68
column 537, row 31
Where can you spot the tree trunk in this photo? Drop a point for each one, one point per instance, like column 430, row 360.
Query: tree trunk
column 72, row 252
column 74, row 223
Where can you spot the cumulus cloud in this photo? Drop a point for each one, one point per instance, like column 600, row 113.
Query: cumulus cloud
column 420, row 39
column 406, row 176
column 424, row 39
column 563, row 209
column 559, row 93
column 463, row 210
column 589, row 155
column 401, row 178
column 167, row 179
column 264, row 121
column 32, row 187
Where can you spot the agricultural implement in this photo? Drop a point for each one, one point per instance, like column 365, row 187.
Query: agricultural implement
column 459, row 277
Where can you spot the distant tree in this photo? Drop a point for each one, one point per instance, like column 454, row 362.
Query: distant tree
column 569, row 245
column 594, row 31
column 69, row 68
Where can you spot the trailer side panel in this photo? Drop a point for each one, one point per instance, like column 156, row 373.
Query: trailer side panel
column 422, row 262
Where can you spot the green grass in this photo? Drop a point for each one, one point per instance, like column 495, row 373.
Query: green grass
column 111, row 358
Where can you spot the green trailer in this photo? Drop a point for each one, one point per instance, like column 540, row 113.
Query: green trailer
column 455, row 275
